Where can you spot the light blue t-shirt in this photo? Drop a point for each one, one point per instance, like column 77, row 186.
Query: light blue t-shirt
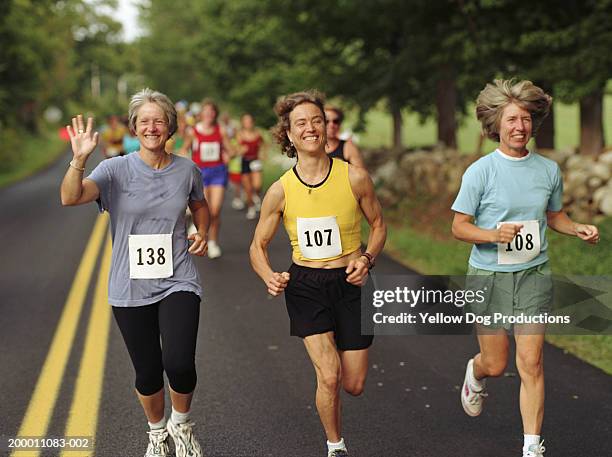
column 496, row 189
column 143, row 201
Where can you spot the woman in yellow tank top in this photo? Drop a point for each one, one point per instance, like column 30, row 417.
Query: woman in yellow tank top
column 321, row 202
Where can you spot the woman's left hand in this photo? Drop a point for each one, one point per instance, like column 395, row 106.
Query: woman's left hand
column 588, row 233
column 199, row 246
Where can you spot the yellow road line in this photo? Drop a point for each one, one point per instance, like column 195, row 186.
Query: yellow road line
column 83, row 418
column 40, row 409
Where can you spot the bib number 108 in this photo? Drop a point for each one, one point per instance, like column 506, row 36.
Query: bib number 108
column 318, row 237
column 150, row 256
column 519, row 243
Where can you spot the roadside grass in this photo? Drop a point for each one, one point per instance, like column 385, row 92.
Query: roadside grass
column 33, row 154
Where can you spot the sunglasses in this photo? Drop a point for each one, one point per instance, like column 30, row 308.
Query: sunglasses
column 333, row 121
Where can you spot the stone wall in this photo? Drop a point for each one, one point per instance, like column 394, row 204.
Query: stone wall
column 587, row 182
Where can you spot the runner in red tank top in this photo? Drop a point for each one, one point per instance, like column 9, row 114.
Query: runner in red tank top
column 251, row 142
column 210, row 152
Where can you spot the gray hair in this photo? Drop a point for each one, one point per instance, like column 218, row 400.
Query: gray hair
column 151, row 96
column 495, row 97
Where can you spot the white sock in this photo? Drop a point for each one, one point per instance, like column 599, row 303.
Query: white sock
column 528, row 440
column 179, row 418
column 158, row 425
column 333, row 446
column 475, row 384
column 212, row 243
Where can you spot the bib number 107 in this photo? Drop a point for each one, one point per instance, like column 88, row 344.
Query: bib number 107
column 519, row 243
column 320, row 238
column 150, row 256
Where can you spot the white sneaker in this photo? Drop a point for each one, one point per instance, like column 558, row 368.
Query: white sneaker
column 185, row 443
column 214, row 251
column 338, row 453
column 237, row 204
column 158, row 443
column 251, row 213
column 471, row 399
column 257, row 202
column 535, row 450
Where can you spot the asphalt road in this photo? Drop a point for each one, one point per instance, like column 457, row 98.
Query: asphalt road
column 255, row 393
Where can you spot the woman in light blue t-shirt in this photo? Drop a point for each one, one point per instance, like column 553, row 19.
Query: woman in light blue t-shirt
column 154, row 287
column 506, row 201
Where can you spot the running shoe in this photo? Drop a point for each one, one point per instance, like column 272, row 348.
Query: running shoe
column 471, row 399
column 257, row 202
column 338, row 453
column 185, row 443
column 158, row 443
column 214, row 251
column 251, row 213
column 535, row 450
column 237, row 204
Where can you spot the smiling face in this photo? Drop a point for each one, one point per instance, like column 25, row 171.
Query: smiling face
column 307, row 128
column 515, row 127
column 152, row 127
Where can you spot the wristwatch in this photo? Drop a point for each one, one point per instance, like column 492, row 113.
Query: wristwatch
column 371, row 263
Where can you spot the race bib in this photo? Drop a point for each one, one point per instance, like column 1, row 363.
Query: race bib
column 524, row 247
column 256, row 165
column 150, row 256
column 319, row 237
column 210, row 152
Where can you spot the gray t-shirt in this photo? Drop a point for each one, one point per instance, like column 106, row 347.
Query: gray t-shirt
column 144, row 201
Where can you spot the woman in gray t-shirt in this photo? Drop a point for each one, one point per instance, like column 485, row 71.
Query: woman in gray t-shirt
column 154, row 287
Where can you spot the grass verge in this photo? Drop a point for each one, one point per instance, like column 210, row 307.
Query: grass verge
column 35, row 153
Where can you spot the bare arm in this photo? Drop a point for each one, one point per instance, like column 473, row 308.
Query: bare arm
column 465, row 230
column 269, row 219
column 74, row 189
column 184, row 151
column 560, row 222
column 201, row 219
column 363, row 189
column 353, row 155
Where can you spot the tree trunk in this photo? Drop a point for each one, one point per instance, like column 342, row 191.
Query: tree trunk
column 545, row 138
column 591, row 123
column 396, row 112
column 446, row 102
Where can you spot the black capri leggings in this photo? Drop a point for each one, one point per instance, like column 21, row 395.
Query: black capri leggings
column 175, row 319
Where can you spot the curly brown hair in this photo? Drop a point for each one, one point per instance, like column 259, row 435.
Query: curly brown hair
column 283, row 108
column 495, row 97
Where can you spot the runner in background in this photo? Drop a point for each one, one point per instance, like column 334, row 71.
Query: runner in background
column 506, row 200
column 234, row 166
column 321, row 202
column 336, row 147
column 211, row 151
column 251, row 142
column 130, row 140
column 112, row 137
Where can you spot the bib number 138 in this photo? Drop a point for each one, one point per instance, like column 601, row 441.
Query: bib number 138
column 319, row 237
column 523, row 248
column 150, row 256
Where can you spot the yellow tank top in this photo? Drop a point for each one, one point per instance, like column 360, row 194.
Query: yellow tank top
column 323, row 222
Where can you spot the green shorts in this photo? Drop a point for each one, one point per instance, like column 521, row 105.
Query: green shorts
column 510, row 297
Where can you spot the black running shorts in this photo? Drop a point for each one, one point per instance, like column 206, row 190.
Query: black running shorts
column 320, row 300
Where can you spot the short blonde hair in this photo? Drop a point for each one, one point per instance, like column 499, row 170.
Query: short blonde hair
column 151, row 96
column 495, row 97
